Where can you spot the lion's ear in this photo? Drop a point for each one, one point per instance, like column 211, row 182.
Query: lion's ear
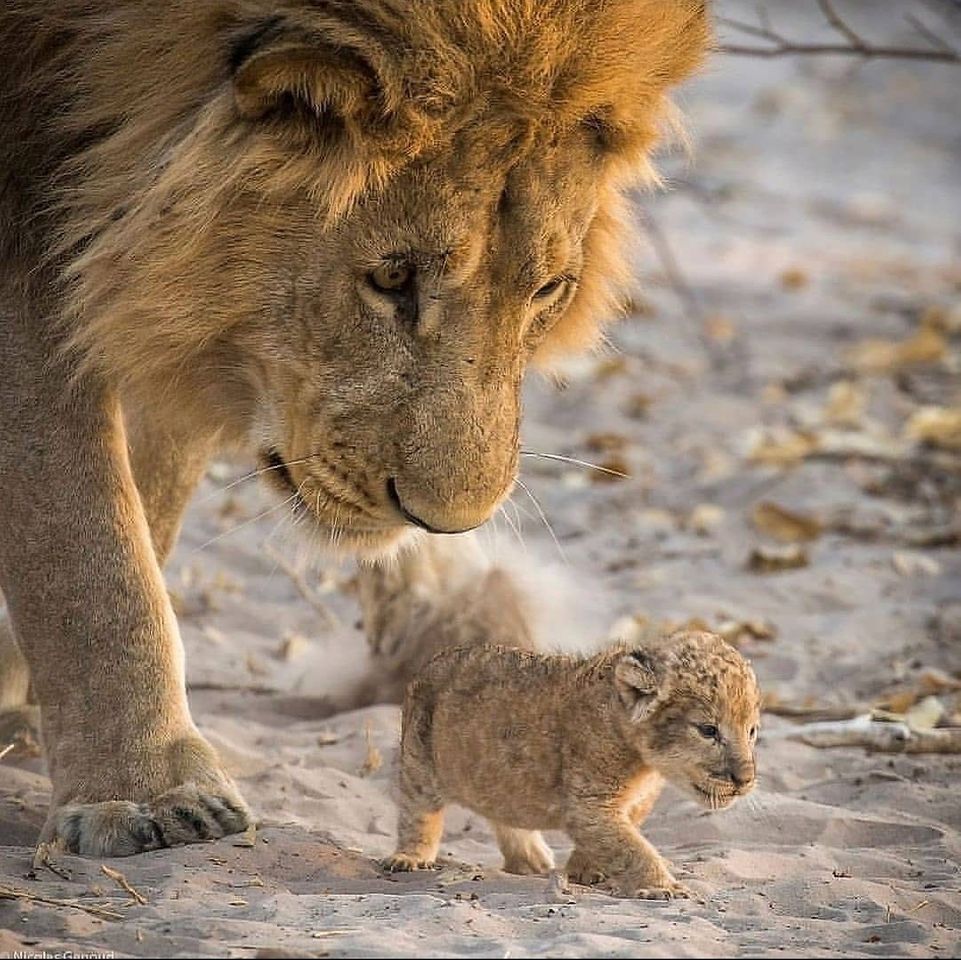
column 304, row 80
column 640, row 678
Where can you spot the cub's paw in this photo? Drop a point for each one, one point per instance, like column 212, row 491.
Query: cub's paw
column 405, row 863
column 525, row 852
column 580, row 869
column 121, row 828
column 666, row 890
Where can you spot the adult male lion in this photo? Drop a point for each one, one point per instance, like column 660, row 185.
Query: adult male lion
column 333, row 230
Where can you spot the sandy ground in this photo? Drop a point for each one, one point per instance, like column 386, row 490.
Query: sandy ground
column 822, row 210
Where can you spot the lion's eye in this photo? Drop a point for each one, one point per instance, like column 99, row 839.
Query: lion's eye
column 392, row 276
column 708, row 731
column 752, row 733
column 551, row 287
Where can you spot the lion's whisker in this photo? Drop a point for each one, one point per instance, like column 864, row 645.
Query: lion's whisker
column 251, row 476
column 543, row 517
column 226, row 533
column 513, row 524
column 577, row 462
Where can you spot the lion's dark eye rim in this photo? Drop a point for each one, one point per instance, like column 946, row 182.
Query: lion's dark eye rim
column 708, row 730
column 553, row 285
column 391, row 277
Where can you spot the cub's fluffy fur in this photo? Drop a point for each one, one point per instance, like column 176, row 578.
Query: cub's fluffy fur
column 582, row 745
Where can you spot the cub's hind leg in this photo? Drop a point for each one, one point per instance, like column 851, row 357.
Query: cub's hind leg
column 418, row 838
column 525, row 851
column 420, row 822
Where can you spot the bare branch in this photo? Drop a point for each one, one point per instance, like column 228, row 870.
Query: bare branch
column 855, row 45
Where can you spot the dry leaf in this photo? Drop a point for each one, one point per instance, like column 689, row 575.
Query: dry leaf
column 931, row 680
column 613, row 469
column 785, row 525
column 783, row 448
column 943, row 319
column 767, row 559
column 939, row 426
column 606, row 442
column 255, row 666
column 794, row 278
column 887, row 356
column 915, row 564
column 248, row 838
column 738, row 632
column 292, row 646
column 608, row 367
column 719, row 328
column 638, row 405
column 925, row 715
column 845, row 404
column 705, row 518
column 374, row 759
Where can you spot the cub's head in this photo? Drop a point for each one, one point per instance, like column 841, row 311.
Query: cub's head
column 346, row 229
column 692, row 706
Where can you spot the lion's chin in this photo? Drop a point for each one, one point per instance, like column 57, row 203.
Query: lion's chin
column 367, row 545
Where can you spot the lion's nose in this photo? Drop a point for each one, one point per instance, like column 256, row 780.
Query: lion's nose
column 410, row 517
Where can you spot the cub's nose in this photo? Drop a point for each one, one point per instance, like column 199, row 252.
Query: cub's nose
column 742, row 777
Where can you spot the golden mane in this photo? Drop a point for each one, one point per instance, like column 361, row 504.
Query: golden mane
column 158, row 97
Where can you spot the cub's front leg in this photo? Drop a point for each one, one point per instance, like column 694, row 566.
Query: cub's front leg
column 130, row 772
column 609, row 850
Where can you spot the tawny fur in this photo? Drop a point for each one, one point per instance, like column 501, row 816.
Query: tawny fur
column 194, row 198
column 584, row 745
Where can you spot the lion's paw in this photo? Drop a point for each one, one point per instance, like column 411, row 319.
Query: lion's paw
column 120, row 828
column 405, row 863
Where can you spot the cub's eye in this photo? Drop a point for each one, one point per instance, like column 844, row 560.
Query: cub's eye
column 551, row 287
column 708, row 731
column 752, row 733
column 392, row 276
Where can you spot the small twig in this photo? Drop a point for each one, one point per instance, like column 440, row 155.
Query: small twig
column 123, row 883
column 672, row 271
column 7, row 749
column 304, row 589
column 260, row 689
column 824, row 712
column 12, row 893
column 925, row 31
column 840, row 26
column 881, row 735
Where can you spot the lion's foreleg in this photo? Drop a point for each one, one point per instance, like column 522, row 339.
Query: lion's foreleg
column 94, row 622
column 168, row 460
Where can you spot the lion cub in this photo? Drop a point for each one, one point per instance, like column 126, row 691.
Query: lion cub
column 533, row 741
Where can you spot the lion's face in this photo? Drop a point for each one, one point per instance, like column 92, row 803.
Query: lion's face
column 696, row 711
column 390, row 393
column 344, row 232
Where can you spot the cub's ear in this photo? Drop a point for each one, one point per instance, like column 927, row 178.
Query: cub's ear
column 640, row 678
column 283, row 71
